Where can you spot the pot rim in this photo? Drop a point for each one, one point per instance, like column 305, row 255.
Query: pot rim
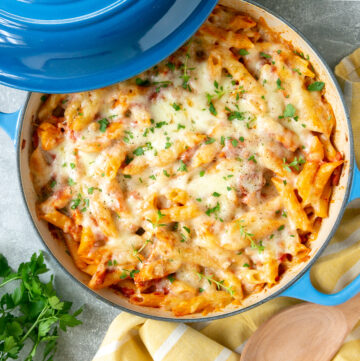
column 266, row 298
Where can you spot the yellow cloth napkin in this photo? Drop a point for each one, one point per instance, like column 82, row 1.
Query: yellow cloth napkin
column 132, row 338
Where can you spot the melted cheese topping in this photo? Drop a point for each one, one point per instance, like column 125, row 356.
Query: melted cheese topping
column 170, row 173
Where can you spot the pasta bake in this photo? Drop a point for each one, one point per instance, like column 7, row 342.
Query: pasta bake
column 198, row 182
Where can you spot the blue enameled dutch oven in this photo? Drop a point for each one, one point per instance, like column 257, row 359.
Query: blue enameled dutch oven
column 296, row 282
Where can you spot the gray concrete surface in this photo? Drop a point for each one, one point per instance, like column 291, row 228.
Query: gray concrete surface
column 332, row 26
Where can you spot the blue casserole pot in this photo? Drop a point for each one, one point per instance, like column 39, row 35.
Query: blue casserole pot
column 296, row 282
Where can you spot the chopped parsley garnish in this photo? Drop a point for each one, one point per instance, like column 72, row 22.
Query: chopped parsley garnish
column 296, row 70
column 249, row 236
column 160, row 124
column 138, row 151
column 166, row 173
column 241, row 139
column 202, row 173
column 289, row 111
column 246, row 265
column 201, row 290
column 212, row 109
column 176, row 107
column 186, row 77
column 216, row 194
column 168, row 145
column 71, row 182
column 170, row 65
column 259, row 246
column 234, row 142
column 128, row 159
column 127, row 176
column 161, row 84
column 222, row 140
column 213, row 210
column 294, row 164
column 316, row 86
column 152, row 177
column 104, row 123
column 219, row 91
column 182, row 167
column 141, row 82
column 252, row 158
column 219, row 284
column 171, row 278
column 126, row 272
column 187, row 229
column 180, row 126
column 264, row 55
column 72, row 165
column 235, row 115
column 281, row 227
column 76, row 202
column 243, row 52
column 209, row 140
column 112, row 262
column 53, row 183
column 278, row 83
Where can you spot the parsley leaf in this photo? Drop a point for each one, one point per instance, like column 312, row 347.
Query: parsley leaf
column 316, row 86
column 212, row 109
column 139, row 151
column 182, row 167
column 176, row 106
column 104, row 123
column 264, row 55
column 289, row 111
column 171, row 66
column 294, row 164
column 243, row 52
column 236, row 115
column 141, row 82
column 209, row 140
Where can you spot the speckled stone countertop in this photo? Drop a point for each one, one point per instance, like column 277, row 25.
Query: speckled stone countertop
column 333, row 26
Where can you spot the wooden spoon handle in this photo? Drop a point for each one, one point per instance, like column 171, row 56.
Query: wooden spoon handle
column 351, row 311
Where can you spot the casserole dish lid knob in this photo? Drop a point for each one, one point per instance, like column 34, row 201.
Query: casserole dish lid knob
column 74, row 45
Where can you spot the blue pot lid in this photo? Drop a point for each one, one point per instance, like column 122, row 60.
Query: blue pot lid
column 60, row 46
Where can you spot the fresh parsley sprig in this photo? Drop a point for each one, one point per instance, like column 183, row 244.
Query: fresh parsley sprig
column 32, row 312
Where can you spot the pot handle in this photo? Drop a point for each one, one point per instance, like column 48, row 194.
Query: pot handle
column 9, row 122
column 355, row 184
column 304, row 290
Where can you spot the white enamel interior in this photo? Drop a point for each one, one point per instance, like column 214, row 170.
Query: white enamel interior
column 342, row 142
